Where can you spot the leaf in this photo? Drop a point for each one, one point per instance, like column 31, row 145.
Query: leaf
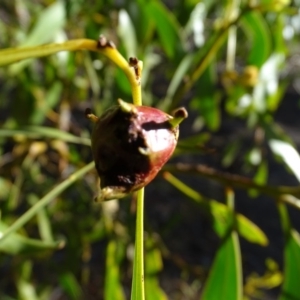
column 70, row 285
column 250, row 231
column 196, row 23
column 144, row 25
column 192, row 144
column 288, row 154
column 260, row 177
column 245, row 227
column 267, row 85
column 176, row 80
column 50, row 21
column 127, row 34
column 43, row 221
column 225, row 276
column 291, row 288
column 166, row 25
column 112, row 285
column 153, row 265
column 258, row 33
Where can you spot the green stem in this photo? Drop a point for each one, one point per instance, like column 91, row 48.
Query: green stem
column 12, row 55
column 138, row 291
column 46, row 200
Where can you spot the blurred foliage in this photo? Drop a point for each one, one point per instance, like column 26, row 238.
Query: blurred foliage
column 228, row 62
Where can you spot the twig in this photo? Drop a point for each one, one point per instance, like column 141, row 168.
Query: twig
column 288, row 194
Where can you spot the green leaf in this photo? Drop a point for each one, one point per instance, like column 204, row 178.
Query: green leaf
column 250, row 231
column 258, row 33
column 225, row 276
column 43, row 221
column 291, row 287
column 144, row 25
column 245, row 227
column 166, row 25
column 176, row 80
column 260, row 177
column 192, row 144
column 153, row 265
column 112, row 284
column 50, row 21
column 71, row 285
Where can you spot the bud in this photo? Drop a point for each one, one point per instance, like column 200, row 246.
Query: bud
column 130, row 144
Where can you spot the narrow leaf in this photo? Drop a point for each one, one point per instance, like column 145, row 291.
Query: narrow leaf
column 153, row 265
column 291, row 286
column 225, row 277
column 50, row 21
column 112, row 286
column 167, row 27
column 126, row 32
column 71, row 285
column 259, row 35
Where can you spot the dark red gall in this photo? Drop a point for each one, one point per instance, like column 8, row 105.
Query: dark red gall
column 130, row 144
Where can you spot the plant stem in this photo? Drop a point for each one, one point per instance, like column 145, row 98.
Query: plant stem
column 12, row 55
column 138, row 291
column 46, row 200
column 287, row 194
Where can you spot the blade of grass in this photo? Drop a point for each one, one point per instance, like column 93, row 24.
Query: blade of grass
column 19, row 223
column 137, row 290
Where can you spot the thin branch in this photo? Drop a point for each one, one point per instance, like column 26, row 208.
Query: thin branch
column 102, row 45
column 288, row 194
